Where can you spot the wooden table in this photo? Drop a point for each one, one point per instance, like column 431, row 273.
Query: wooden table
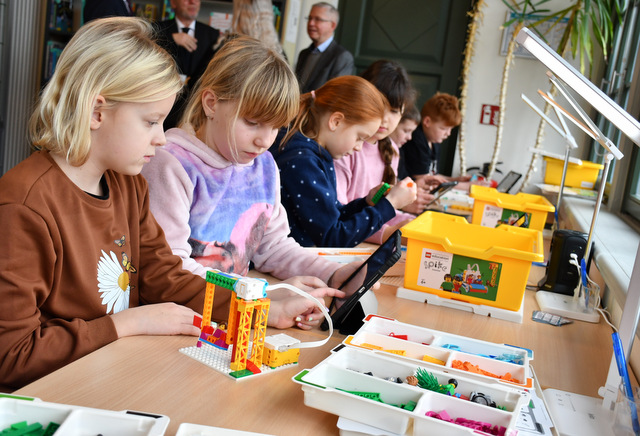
column 149, row 373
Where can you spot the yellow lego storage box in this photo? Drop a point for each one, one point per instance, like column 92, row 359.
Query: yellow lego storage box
column 578, row 176
column 492, row 208
column 451, row 258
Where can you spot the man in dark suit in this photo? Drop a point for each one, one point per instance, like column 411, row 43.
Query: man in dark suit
column 105, row 8
column 324, row 59
column 192, row 45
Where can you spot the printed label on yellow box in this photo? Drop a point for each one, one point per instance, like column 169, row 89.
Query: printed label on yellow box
column 459, row 274
column 493, row 216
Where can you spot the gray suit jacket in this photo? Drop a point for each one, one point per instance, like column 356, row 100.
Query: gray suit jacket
column 333, row 62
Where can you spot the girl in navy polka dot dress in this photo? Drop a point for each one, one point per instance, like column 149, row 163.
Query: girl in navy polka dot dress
column 333, row 121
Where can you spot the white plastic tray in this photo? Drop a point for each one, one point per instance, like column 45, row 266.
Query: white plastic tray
column 330, row 385
column 80, row 421
column 497, row 359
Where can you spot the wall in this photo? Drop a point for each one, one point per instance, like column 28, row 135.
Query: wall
column 521, row 123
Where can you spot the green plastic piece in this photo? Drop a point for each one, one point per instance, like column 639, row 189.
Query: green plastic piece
column 51, row 429
column 23, row 429
column 300, row 379
column 221, row 280
column 241, row 373
column 15, row 397
column 375, row 396
column 426, row 380
column 410, row 406
column 381, row 193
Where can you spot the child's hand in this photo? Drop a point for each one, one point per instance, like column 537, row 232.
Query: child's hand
column 345, row 272
column 299, row 311
column 341, row 274
column 403, row 193
column 423, row 198
column 372, row 193
column 428, row 181
column 155, row 319
column 304, row 283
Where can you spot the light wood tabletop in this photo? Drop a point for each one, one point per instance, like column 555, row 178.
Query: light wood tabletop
column 149, row 374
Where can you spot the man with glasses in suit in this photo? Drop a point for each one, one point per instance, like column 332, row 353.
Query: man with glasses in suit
column 324, row 59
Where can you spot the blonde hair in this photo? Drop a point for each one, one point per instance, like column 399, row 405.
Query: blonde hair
column 254, row 77
column 356, row 98
column 116, row 58
column 255, row 18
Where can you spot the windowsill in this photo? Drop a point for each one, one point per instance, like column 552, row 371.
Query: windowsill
column 615, row 243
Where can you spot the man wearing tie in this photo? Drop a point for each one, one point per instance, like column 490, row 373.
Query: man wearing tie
column 191, row 44
column 106, row 8
column 324, row 59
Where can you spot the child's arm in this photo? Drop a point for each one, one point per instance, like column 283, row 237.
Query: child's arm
column 309, row 194
column 155, row 319
column 280, row 255
column 389, row 227
column 295, row 310
column 171, row 197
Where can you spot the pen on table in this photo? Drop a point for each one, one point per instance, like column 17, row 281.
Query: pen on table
column 626, row 381
column 364, row 252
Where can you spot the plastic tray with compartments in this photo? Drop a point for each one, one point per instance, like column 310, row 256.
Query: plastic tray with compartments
column 79, row 421
column 367, row 384
column 506, row 363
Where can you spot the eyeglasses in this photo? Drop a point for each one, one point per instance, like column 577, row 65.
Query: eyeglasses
column 317, row 19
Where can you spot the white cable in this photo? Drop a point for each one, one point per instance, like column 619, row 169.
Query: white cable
column 574, row 261
column 596, row 291
column 322, row 307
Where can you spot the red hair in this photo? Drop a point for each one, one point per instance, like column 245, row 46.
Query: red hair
column 357, row 99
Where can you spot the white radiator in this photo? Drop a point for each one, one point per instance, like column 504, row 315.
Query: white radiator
column 20, row 52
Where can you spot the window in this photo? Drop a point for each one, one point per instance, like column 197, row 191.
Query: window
column 621, row 84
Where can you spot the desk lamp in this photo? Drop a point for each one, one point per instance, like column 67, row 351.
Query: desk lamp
column 551, row 301
column 576, row 414
column 570, row 143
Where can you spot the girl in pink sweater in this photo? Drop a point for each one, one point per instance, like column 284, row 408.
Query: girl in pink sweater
column 377, row 162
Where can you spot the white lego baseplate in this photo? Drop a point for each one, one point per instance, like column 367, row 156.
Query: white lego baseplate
column 220, row 359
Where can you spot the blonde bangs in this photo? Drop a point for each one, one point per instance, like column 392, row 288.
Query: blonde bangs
column 271, row 96
column 256, row 78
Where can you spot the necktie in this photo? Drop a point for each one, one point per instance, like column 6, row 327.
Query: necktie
column 186, row 30
column 310, row 65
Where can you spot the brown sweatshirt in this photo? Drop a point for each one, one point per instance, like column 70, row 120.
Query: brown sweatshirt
column 70, row 259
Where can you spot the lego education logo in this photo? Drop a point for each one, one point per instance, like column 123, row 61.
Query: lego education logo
column 436, row 261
